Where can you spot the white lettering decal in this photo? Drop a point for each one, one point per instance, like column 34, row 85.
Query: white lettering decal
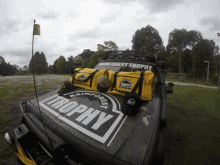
column 150, row 67
column 138, row 65
column 105, row 107
column 88, row 115
column 134, row 66
column 58, row 98
column 142, row 65
column 103, row 100
column 102, row 119
column 80, row 109
column 60, row 103
column 105, row 103
column 70, row 106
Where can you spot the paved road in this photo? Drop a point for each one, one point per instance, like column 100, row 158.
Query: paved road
column 188, row 84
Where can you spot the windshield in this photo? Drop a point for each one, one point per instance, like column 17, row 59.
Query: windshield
column 123, row 66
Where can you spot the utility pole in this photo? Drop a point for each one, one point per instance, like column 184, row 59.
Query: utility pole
column 218, row 80
column 207, row 73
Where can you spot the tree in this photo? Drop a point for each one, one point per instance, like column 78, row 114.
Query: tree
column 108, row 45
column 40, row 63
column 177, row 42
column 86, row 54
column 44, row 63
column 95, row 58
column 6, row 69
column 2, row 59
column 147, row 38
column 204, row 50
column 50, row 69
column 55, row 68
column 193, row 38
column 25, row 67
column 216, row 49
column 61, row 63
column 70, row 61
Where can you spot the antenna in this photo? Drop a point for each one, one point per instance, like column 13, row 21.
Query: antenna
column 36, row 31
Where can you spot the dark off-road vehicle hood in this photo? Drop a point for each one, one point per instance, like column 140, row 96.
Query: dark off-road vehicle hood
column 94, row 119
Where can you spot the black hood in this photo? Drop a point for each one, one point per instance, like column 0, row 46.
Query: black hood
column 96, row 119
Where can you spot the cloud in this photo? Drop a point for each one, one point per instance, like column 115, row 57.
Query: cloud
column 154, row 6
column 111, row 17
column 212, row 21
column 73, row 14
column 9, row 26
column 92, row 33
column 157, row 6
column 123, row 47
column 69, row 49
column 48, row 15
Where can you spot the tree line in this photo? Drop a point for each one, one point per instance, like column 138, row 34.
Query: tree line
column 185, row 52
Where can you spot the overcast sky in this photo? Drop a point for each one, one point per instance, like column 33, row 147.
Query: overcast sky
column 68, row 27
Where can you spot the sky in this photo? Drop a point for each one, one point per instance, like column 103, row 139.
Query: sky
column 70, row 26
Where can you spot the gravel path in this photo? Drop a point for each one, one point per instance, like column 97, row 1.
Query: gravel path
column 188, row 84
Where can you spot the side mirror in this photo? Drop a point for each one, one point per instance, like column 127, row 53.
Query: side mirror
column 169, row 88
column 171, row 84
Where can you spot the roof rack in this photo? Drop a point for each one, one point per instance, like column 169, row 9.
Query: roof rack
column 130, row 55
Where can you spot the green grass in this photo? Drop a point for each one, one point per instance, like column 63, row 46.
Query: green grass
column 193, row 126
column 193, row 121
column 194, row 81
column 10, row 93
column 8, row 96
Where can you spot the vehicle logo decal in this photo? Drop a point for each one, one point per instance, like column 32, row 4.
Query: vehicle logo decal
column 82, row 77
column 125, row 83
column 96, row 115
column 123, row 64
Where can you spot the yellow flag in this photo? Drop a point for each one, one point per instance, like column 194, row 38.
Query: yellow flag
column 36, row 29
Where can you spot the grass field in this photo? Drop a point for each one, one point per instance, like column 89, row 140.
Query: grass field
column 11, row 94
column 193, row 121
